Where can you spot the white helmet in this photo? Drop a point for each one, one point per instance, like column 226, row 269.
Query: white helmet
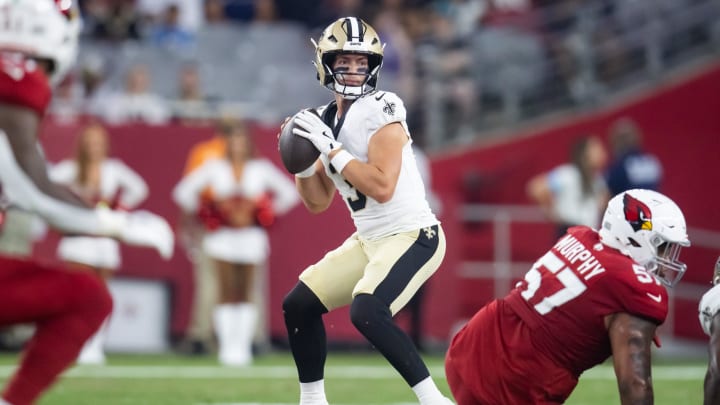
column 42, row 29
column 650, row 228
column 348, row 35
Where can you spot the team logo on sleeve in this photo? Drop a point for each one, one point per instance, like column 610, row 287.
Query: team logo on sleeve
column 389, row 108
column 637, row 213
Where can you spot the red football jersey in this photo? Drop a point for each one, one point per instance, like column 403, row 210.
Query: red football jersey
column 23, row 83
column 573, row 287
column 531, row 346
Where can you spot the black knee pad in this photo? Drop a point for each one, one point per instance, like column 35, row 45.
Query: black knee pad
column 301, row 302
column 368, row 310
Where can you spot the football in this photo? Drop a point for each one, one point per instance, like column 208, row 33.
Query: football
column 297, row 153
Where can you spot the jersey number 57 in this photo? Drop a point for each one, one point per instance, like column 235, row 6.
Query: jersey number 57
column 571, row 285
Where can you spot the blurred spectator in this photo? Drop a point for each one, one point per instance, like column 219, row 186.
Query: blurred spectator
column 214, row 11
column 190, row 12
column 508, row 65
column 247, row 192
column 169, row 34
column 92, row 77
column 631, row 167
column 111, row 20
column 566, row 46
column 399, row 56
column 189, row 88
column 464, row 14
column 136, row 103
column 250, row 11
column 317, row 14
column 447, row 61
column 265, row 11
column 574, row 193
column 191, row 106
column 100, row 180
column 199, row 335
column 68, row 102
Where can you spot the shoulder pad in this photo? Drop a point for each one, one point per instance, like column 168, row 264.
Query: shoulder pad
column 709, row 307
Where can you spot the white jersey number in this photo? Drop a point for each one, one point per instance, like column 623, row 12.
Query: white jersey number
column 358, row 201
column 572, row 285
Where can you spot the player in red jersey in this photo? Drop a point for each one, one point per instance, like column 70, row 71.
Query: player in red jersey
column 38, row 42
column 592, row 295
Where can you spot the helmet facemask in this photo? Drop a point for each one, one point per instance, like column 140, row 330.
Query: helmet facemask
column 341, row 76
column 665, row 264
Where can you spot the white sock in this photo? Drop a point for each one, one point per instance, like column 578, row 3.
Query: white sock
column 227, row 319
column 93, row 350
column 246, row 322
column 428, row 393
column 313, row 393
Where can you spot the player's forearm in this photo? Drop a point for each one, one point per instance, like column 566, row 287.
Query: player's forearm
column 314, row 193
column 63, row 194
column 634, row 378
column 712, row 387
column 631, row 338
column 370, row 181
column 712, row 377
column 638, row 391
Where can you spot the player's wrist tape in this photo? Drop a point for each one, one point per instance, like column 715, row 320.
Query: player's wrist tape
column 341, row 159
column 307, row 172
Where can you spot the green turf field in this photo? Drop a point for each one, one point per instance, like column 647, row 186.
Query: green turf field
column 350, row 379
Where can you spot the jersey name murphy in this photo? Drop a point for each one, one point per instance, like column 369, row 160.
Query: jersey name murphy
column 574, row 251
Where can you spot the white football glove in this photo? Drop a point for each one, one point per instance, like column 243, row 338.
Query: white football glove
column 141, row 228
column 316, row 131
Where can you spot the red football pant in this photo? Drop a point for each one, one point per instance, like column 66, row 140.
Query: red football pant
column 67, row 308
column 459, row 389
column 492, row 360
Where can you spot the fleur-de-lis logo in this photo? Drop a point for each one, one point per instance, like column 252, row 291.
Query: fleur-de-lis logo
column 389, row 108
column 429, row 232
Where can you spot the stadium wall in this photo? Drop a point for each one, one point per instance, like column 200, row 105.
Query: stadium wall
column 681, row 125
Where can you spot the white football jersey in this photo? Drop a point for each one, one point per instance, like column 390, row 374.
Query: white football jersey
column 408, row 208
column 709, row 306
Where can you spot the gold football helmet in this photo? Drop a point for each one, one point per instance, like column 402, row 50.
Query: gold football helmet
column 348, row 35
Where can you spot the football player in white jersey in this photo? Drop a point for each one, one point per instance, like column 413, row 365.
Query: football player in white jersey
column 366, row 155
column 709, row 309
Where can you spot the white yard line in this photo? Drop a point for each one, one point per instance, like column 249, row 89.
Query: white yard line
column 289, row 403
column 662, row 372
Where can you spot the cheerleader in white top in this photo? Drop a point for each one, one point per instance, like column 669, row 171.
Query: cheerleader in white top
column 246, row 194
column 98, row 179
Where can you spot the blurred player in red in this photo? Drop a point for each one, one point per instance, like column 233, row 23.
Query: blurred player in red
column 591, row 296
column 38, row 43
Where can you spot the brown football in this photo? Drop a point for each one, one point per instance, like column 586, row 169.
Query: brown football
column 297, row 153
